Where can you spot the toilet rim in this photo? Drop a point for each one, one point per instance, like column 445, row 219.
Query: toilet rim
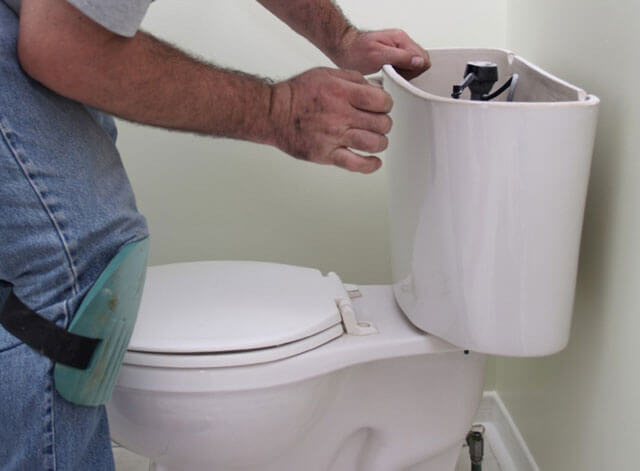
column 326, row 359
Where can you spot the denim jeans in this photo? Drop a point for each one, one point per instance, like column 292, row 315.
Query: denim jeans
column 66, row 208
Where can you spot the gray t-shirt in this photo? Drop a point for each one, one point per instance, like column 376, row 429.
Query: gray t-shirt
column 123, row 17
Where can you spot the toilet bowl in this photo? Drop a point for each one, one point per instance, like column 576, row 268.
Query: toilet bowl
column 262, row 366
column 392, row 399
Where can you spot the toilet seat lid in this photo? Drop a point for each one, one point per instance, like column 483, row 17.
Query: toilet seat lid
column 227, row 307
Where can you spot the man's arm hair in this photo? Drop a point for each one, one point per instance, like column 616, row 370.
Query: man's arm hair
column 320, row 21
column 321, row 115
column 140, row 79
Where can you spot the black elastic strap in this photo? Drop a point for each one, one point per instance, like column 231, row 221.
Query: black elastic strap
column 45, row 337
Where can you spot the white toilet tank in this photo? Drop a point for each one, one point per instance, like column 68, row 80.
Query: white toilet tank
column 486, row 203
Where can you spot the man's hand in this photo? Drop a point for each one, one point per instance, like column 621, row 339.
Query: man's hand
column 322, row 23
column 323, row 113
column 368, row 51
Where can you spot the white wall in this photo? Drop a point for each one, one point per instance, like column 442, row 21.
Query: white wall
column 580, row 410
column 220, row 199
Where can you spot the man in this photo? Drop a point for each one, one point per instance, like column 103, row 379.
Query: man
column 66, row 204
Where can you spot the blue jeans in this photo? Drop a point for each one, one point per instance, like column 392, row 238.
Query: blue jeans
column 66, row 208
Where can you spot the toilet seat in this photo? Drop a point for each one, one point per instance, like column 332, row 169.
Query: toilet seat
column 222, row 314
column 396, row 337
column 243, row 358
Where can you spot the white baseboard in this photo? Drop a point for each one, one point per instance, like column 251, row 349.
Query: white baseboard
column 507, row 444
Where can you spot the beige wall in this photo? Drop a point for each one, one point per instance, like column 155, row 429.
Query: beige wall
column 219, row 199
column 580, row 409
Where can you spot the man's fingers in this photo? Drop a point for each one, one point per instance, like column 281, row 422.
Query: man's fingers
column 344, row 158
column 350, row 75
column 406, row 59
column 367, row 141
column 370, row 98
column 375, row 122
column 401, row 40
column 407, row 67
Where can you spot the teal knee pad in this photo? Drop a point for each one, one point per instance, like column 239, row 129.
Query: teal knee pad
column 108, row 312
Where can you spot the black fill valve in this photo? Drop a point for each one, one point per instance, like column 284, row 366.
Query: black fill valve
column 479, row 77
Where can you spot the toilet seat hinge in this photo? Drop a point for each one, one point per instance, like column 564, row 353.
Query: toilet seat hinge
column 351, row 324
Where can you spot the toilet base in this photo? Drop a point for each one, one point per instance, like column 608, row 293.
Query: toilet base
column 391, row 415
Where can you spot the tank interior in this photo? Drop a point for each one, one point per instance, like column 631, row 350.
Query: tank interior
column 534, row 85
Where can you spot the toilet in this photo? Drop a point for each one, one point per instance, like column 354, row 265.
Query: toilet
column 259, row 366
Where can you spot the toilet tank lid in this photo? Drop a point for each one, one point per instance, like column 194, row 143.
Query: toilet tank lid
column 232, row 306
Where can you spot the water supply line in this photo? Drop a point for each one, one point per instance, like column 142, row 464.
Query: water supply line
column 475, row 442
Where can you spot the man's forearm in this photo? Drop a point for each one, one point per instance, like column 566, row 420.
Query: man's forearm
column 321, row 115
column 143, row 79
column 320, row 21
column 165, row 87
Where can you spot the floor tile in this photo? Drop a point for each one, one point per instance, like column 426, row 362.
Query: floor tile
column 128, row 461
